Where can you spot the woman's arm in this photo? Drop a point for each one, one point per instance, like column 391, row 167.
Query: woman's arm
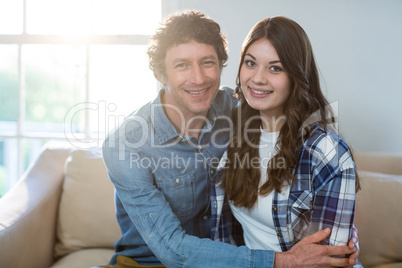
column 333, row 176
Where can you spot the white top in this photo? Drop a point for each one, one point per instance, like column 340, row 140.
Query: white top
column 258, row 225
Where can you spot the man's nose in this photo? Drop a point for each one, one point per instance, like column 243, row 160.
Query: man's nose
column 197, row 75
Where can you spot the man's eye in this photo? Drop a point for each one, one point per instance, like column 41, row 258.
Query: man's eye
column 249, row 63
column 209, row 63
column 181, row 66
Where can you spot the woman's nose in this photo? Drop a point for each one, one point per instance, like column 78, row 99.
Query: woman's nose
column 260, row 76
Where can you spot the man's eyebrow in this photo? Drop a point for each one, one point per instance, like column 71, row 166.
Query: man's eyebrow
column 209, row 57
column 180, row 60
column 271, row 62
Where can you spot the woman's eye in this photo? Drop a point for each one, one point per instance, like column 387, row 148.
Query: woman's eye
column 249, row 63
column 275, row 69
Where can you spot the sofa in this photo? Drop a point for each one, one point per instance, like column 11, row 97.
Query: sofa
column 61, row 212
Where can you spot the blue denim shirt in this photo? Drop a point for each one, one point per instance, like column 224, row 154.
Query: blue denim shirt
column 162, row 182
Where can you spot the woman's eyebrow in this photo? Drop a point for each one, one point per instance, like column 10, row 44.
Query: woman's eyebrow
column 271, row 62
column 248, row 54
column 274, row 61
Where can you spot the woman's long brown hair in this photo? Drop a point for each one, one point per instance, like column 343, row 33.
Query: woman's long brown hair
column 241, row 179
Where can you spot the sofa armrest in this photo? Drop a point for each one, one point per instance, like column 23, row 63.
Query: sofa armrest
column 28, row 211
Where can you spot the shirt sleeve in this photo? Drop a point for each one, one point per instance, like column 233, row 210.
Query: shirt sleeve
column 333, row 176
column 160, row 228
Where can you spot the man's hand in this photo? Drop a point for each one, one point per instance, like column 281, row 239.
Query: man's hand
column 307, row 253
column 354, row 243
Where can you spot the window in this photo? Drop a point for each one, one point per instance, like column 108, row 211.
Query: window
column 66, row 68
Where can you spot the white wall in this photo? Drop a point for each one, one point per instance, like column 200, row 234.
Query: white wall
column 358, row 48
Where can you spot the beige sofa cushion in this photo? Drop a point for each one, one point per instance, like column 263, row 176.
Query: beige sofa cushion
column 87, row 213
column 379, row 218
column 85, row 258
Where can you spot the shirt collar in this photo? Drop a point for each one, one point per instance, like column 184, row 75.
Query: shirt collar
column 164, row 129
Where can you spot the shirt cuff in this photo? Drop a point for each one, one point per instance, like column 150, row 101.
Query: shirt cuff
column 262, row 258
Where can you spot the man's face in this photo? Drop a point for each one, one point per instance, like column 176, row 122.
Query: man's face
column 192, row 78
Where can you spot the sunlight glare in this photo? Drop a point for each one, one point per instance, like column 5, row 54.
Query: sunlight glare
column 10, row 16
column 85, row 17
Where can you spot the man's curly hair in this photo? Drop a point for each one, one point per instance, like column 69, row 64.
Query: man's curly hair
column 182, row 28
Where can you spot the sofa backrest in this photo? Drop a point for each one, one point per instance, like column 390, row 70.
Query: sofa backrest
column 378, row 211
column 86, row 217
column 379, row 162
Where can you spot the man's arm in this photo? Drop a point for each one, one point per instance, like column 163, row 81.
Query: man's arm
column 308, row 253
column 160, row 228
column 174, row 247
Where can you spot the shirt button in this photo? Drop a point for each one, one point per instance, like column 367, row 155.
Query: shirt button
column 205, row 217
column 177, row 180
column 279, row 234
column 274, row 208
column 212, row 172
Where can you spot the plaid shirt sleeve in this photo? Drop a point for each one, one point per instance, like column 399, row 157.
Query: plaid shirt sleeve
column 326, row 177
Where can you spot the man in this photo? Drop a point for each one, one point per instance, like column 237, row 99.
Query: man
column 161, row 161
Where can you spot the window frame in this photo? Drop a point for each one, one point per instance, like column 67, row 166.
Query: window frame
column 25, row 38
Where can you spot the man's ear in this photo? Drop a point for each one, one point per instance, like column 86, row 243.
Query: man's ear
column 160, row 77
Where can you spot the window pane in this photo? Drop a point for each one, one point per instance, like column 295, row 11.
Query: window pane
column 55, row 83
column 126, row 16
column 31, row 150
column 121, row 82
column 99, row 17
column 58, row 16
column 8, row 89
column 11, row 16
column 8, row 164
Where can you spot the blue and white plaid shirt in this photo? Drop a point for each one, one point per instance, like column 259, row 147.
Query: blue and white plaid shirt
column 322, row 196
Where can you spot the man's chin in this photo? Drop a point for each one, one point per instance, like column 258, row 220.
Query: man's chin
column 202, row 109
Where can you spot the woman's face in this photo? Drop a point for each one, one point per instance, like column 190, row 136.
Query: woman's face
column 264, row 82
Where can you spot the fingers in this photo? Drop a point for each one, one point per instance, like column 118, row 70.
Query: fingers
column 353, row 257
column 340, row 250
column 354, row 239
column 352, row 242
column 318, row 236
column 354, row 230
column 339, row 262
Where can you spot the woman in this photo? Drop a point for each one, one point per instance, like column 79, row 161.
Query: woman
column 286, row 173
